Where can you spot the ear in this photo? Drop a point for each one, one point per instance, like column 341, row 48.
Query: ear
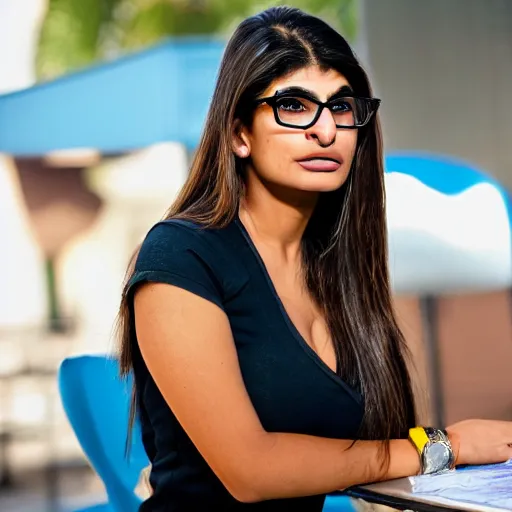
column 240, row 140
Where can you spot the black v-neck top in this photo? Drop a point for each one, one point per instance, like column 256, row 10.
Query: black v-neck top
column 291, row 388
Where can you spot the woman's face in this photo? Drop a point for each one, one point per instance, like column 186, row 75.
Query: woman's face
column 316, row 159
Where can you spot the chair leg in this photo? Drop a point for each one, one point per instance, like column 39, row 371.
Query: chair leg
column 5, row 473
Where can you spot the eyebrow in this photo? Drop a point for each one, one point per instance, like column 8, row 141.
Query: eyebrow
column 343, row 90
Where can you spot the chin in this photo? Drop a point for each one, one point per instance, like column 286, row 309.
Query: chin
column 321, row 182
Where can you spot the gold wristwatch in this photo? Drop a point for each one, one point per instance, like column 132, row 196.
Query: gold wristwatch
column 434, row 448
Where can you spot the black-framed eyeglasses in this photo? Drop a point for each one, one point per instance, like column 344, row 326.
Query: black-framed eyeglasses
column 301, row 110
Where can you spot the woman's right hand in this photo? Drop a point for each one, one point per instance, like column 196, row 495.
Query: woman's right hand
column 481, row 441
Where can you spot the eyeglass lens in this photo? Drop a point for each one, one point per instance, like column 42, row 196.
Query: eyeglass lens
column 346, row 111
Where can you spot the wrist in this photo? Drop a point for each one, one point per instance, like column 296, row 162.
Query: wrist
column 434, row 448
column 404, row 460
column 455, row 442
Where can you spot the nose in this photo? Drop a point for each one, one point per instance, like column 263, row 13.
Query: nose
column 324, row 130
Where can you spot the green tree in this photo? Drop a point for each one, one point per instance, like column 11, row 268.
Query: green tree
column 77, row 33
column 71, row 35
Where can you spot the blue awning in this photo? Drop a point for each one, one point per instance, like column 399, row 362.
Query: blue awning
column 161, row 94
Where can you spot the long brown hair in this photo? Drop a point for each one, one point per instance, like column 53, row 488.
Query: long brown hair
column 345, row 243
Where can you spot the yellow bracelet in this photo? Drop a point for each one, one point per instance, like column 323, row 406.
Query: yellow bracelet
column 419, row 438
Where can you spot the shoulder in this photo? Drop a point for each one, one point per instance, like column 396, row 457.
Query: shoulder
column 187, row 250
column 172, row 234
column 174, row 231
column 175, row 236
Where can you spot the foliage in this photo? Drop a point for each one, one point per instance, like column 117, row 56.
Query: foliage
column 70, row 34
column 76, row 33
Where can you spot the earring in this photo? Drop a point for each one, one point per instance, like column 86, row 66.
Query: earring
column 243, row 152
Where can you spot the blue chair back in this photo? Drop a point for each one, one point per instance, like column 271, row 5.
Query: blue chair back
column 96, row 401
column 338, row 502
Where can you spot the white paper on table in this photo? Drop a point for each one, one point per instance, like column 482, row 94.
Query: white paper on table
column 482, row 485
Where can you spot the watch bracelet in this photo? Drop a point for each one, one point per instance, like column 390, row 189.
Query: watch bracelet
column 437, row 435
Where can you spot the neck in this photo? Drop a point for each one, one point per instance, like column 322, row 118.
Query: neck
column 277, row 218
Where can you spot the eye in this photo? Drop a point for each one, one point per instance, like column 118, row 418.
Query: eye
column 291, row 105
column 342, row 105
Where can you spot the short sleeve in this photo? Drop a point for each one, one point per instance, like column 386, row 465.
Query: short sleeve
column 174, row 252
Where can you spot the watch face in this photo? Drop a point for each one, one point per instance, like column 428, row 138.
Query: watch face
column 436, row 457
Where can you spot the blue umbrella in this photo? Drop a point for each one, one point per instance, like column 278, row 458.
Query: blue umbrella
column 449, row 231
column 449, row 226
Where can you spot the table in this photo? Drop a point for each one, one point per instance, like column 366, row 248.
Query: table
column 398, row 494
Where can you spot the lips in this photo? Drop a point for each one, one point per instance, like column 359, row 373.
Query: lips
column 319, row 164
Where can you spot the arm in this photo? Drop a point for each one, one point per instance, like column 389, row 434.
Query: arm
column 187, row 344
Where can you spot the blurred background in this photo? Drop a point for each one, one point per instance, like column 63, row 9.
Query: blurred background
column 101, row 106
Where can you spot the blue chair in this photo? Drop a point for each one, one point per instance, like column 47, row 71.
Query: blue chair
column 96, row 402
column 338, row 503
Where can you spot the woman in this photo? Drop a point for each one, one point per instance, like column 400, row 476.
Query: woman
column 258, row 321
